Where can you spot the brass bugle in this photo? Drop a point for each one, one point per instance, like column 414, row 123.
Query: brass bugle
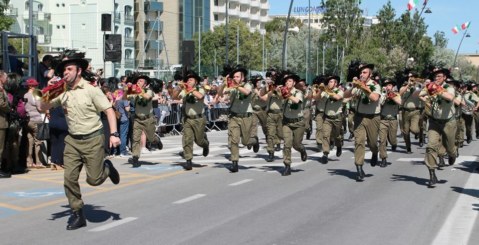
column 37, row 94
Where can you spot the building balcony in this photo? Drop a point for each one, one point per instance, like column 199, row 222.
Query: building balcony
column 255, row 4
column 11, row 11
column 129, row 20
column 154, row 45
column 218, row 9
column 264, row 5
column 153, row 25
column 129, row 42
column 233, row 12
column 244, row 15
column 153, row 6
column 129, row 62
column 117, row 18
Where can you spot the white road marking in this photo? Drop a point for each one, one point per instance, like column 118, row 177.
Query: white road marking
column 240, row 182
column 460, row 222
column 189, row 199
column 113, row 224
column 460, row 159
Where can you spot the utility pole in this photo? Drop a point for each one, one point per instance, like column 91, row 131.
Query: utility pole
column 226, row 34
column 285, row 35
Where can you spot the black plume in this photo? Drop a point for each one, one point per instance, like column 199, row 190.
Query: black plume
column 156, row 85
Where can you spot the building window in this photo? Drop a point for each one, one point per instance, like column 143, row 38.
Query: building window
column 128, row 10
column 217, row 3
column 128, row 53
column 128, row 32
column 216, row 17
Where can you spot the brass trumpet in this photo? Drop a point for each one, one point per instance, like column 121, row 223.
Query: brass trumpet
column 37, row 94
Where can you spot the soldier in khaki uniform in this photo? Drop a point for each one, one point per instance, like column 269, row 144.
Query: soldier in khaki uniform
column 320, row 105
column 389, row 122
column 241, row 114
column 332, row 116
column 471, row 100
column 144, row 118
column 475, row 114
column 308, row 97
column 442, row 123
column 84, row 146
column 366, row 118
column 4, row 109
column 259, row 107
column 194, row 122
column 274, row 120
column 410, row 113
column 458, row 103
column 293, row 121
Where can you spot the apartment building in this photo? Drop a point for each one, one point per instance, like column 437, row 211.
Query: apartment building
column 252, row 12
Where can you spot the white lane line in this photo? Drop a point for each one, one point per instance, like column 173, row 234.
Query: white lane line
column 189, row 199
column 459, row 224
column 460, row 159
column 240, row 182
column 113, row 224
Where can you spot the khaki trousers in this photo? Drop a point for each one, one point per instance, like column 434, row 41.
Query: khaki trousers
column 460, row 130
column 274, row 124
column 194, row 131
column 410, row 123
column 147, row 125
column 293, row 137
column 351, row 121
column 307, row 118
column 259, row 118
column 441, row 136
column 331, row 129
column 319, row 127
column 387, row 131
column 365, row 129
column 78, row 153
column 468, row 125
column 239, row 128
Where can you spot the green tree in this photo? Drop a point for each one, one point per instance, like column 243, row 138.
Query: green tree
column 5, row 21
column 440, row 39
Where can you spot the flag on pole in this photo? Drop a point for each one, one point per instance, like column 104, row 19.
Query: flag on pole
column 412, row 4
column 465, row 25
column 455, row 30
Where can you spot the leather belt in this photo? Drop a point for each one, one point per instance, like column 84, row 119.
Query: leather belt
column 292, row 120
column 388, row 117
column 333, row 117
column 194, row 116
column 259, row 109
column 410, row 109
column 87, row 136
column 366, row 115
column 142, row 117
column 442, row 121
column 240, row 115
column 319, row 112
column 277, row 111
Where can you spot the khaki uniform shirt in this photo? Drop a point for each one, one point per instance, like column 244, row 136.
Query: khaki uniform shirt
column 364, row 104
column 321, row 103
column 144, row 110
column 410, row 101
column 4, row 109
column 193, row 106
column 258, row 104
column 334, row 107
column 82, row 106
column 307, row 102
column 440, row 108
column 291, row 110
column 389, row 108
column 241, row 103
column 275, row 102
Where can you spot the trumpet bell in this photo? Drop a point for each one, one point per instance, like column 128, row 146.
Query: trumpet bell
column 37, row 94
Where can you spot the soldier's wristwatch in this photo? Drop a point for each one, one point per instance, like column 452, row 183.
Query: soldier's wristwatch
column 116, row 134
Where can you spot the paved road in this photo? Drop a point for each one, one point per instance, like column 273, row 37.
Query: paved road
column 159, row 203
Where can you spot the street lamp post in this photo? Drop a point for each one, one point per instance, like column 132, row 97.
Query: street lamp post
column 285, row 35
column 428, row 11
column 466, row 34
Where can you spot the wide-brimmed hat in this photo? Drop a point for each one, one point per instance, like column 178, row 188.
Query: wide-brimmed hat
column 136, row 78
column 444, row 71
column 239, row 68
column 388, row 81
column 293, row 76
column 192, row 74
column 332, row 77
column 31, row 82
column 370, row 66
column 82, row 63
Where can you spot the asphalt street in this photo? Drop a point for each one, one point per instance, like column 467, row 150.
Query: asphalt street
column 160, row 203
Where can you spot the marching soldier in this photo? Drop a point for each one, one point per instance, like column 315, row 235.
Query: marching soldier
column 194, row 121
column 475, row 114
column 308, row 96
column 471, row 100
column 320, row 104
column 332, row 117
column 241, row 114
column 144, row 119
column 293, row 121
column 458, row 106
column 274, row 120
column 410, row 114
column 442, row 123
column 389, row 122
column 366, row 118
column 259, row 107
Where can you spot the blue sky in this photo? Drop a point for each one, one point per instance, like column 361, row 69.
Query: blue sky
column 445, row 15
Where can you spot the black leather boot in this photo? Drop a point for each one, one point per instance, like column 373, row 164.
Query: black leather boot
column 408, row 150
column 270, row 157
column 451, row 160
column 360, row 173
column 394, row 147
column 374, row 160
column 287, row 170
column 5, row 175
column 206, row 150
column 421, row 140
column 134, row 161
column 320, row 147
column 432, row 178
column 278, row 147
column 304, row 155
column 159, row 144
column 188, row 165
column 234, row 167
column 113, row 173
column 325, row 159
column 256, row 146
column 339, row 151
column 77, row 220
column 383, row 163
column 441, row 163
